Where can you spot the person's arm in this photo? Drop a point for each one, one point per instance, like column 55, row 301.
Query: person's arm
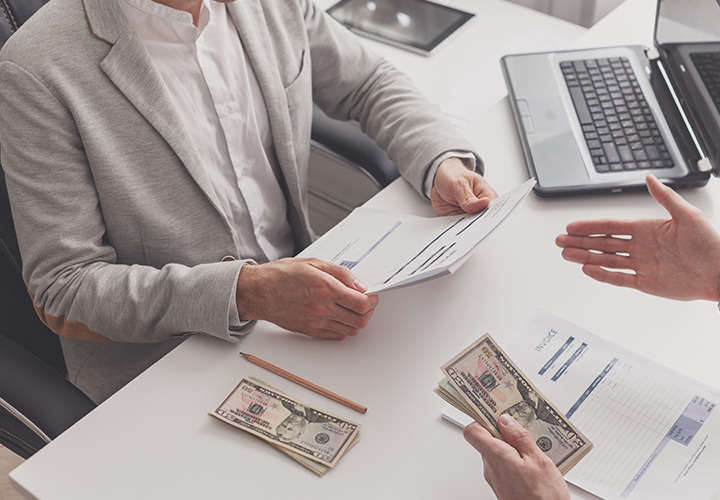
column 308, row 296
column 677, row 258
column 352, row 83
column 516, row 469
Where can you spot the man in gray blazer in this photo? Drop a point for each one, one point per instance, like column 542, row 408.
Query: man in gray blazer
column 156, row 158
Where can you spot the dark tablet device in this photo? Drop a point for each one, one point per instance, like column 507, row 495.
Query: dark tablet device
column 417, row 25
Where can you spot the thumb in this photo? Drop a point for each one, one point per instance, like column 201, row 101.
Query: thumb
column 467, row 200
column 342, row 274
column 665, row 196
column 517, row 436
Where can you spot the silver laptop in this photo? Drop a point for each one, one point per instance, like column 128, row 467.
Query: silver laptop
column 602, row 119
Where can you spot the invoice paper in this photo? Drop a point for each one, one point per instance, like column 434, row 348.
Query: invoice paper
column 387, row 250
column 656, row 432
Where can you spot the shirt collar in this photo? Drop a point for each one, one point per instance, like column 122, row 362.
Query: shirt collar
column 174, row 16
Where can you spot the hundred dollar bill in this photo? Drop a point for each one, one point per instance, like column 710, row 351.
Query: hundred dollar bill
column 484, row 383
column 287, row 423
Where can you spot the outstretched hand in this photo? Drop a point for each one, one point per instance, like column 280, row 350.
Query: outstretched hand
column 677, row 258
column 457, row 190
column 516, row 469
column 308, row 296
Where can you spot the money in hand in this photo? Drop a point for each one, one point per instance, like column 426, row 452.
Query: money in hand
column 315, row 438
column 484, row 383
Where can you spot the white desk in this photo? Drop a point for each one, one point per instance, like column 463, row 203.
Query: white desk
column 154, row 439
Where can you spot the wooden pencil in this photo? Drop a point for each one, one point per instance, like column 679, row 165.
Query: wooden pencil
column 301, row 381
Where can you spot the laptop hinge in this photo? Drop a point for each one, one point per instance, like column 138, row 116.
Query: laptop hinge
column 652, row 54
column 703, row 163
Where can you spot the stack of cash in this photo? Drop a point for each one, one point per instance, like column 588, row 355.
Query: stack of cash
column 484, row 383
column 311, row 436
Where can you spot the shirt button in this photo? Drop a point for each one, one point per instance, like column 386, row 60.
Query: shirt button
column 260, row 229
column 227, row 109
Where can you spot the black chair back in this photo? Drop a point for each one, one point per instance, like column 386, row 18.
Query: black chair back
column 37, row 403
column 18, row 320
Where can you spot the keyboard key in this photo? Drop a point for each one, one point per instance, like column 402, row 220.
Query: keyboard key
column 653, row 152
column 611, row 152
column 580, row 106
column 625, row 153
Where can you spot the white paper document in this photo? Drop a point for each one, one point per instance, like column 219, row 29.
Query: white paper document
column 387, row 250
column 656, row 432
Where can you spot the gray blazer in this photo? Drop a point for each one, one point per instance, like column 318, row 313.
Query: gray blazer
column 122, row 236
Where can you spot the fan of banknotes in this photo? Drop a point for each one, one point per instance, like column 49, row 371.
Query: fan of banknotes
column 484, row 383
column 313, row 437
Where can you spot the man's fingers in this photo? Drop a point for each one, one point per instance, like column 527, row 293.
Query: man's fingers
column 518, row 437
column 350, row 318
column 608, row 244
column 611, row 260
column 323, row 334
column 351, row 295
column 607, row 227
column 617, row 278
column 492, row 449
column 474, row 205
column 341, row 273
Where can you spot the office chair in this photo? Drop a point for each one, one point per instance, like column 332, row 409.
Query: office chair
column 342, row 156
column 37, row 403
column 349, row 144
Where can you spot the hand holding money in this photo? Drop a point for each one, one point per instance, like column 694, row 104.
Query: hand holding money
column 516, row 468
column 484, row 383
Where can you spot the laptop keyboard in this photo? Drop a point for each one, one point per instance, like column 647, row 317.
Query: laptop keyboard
column 619, row 128
column 708, row 66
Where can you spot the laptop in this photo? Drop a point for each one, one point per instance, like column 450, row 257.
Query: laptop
column 601, row 119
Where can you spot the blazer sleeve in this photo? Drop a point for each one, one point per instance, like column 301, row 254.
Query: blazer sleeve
column 352, row 83
column 78, row 287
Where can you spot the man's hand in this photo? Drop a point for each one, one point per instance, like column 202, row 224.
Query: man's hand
column 457, row 190
column 677, row 258
column 308, row 296
column 516, row 469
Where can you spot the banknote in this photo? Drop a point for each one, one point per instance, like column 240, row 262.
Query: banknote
column 484, row 383
column 298, row 429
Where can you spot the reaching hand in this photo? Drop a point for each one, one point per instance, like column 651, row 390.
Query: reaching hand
column 308, row 296
column 516, row 469
column 457, row 190
column 677, row 258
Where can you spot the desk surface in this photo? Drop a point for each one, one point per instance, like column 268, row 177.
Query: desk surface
column 153, row 439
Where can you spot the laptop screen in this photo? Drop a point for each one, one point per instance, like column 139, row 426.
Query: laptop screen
column 687, row 35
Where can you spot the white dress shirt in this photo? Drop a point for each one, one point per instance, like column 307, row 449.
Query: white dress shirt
column 214, row 87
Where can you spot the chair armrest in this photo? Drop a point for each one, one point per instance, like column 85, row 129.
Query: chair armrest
column 38, row 393
column 346, row 140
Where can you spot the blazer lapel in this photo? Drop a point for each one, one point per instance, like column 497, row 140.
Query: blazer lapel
column 250, row 22
column 130, row 68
